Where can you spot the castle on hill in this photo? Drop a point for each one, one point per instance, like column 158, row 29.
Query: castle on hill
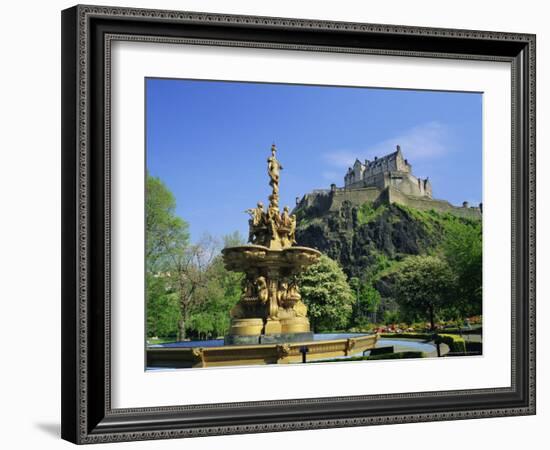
column 390, row 170
column 388, row 179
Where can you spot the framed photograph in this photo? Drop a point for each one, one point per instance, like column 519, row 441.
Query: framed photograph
column 280, row 224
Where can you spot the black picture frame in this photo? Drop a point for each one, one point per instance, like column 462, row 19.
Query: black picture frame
column 87, row 416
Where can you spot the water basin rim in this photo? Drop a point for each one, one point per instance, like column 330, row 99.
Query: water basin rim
column 205, row 344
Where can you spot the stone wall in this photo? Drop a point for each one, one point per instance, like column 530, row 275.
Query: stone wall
column 321, row 202
column 393, row 195
column 355, row 196
column 407, row 183
column 404, row 181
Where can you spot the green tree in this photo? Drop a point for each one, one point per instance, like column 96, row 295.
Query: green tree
column 205, row 289
column 233, row 239
column 325, row 291
column 162, row 308
column 166, row 233
column 220, row 293
column 367, row 298
column 171, row 258
column 188, row 287
column 188, row 268
column 423, row 286
column 463, row 250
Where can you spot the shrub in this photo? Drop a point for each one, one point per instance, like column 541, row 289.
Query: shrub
column 391, row 317
column 367, row 212
column 362, row 329
column 462, row 331
column 456, row 343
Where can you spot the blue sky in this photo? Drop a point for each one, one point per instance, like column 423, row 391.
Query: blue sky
column 209, row 142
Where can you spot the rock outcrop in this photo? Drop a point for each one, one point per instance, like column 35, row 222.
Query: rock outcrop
column 358, row 237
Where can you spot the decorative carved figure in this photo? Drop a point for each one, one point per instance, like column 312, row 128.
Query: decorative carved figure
column 274, row 220
column 281, row 292
column 256, row 214
column 300, row 309
column 285, row 217
column 256, row 223
column 249, row 293
column 261, row 287
column 273, row 169
column 292, row 234
column 273, row 294
column 283, row 350
column 292, row 293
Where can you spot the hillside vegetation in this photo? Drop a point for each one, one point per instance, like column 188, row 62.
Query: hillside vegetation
column 373, row 243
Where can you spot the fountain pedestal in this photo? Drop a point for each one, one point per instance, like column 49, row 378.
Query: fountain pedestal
column 273, row 326
column 270, row 309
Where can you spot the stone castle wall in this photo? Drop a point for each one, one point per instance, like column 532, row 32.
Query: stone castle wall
column 393, row 195
column 356, row 196
column 332, row 200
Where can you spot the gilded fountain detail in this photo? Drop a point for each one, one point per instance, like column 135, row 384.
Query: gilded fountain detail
column 270, row 309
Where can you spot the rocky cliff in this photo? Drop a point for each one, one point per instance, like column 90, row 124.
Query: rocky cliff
column 370, row 237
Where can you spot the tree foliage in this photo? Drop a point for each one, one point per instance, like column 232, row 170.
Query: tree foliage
column 162, row 308
column 189, row 278
column 367, row 299
column 166, row 233
column 219, row 294
column 188, row 289
column 424, row 285
column 325, row 291
column 463, row 250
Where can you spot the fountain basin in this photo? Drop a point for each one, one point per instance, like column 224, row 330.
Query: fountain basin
column 288, row 260
column 215, row 354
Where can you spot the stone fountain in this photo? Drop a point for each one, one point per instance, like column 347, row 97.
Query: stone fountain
column 270, row 308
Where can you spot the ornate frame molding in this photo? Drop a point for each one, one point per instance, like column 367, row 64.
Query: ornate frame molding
column 88, row 31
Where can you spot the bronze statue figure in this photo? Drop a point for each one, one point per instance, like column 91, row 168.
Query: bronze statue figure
column 256, row 223
column 273, row 169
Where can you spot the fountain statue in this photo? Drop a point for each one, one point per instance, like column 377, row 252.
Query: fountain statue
column 270, row 309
